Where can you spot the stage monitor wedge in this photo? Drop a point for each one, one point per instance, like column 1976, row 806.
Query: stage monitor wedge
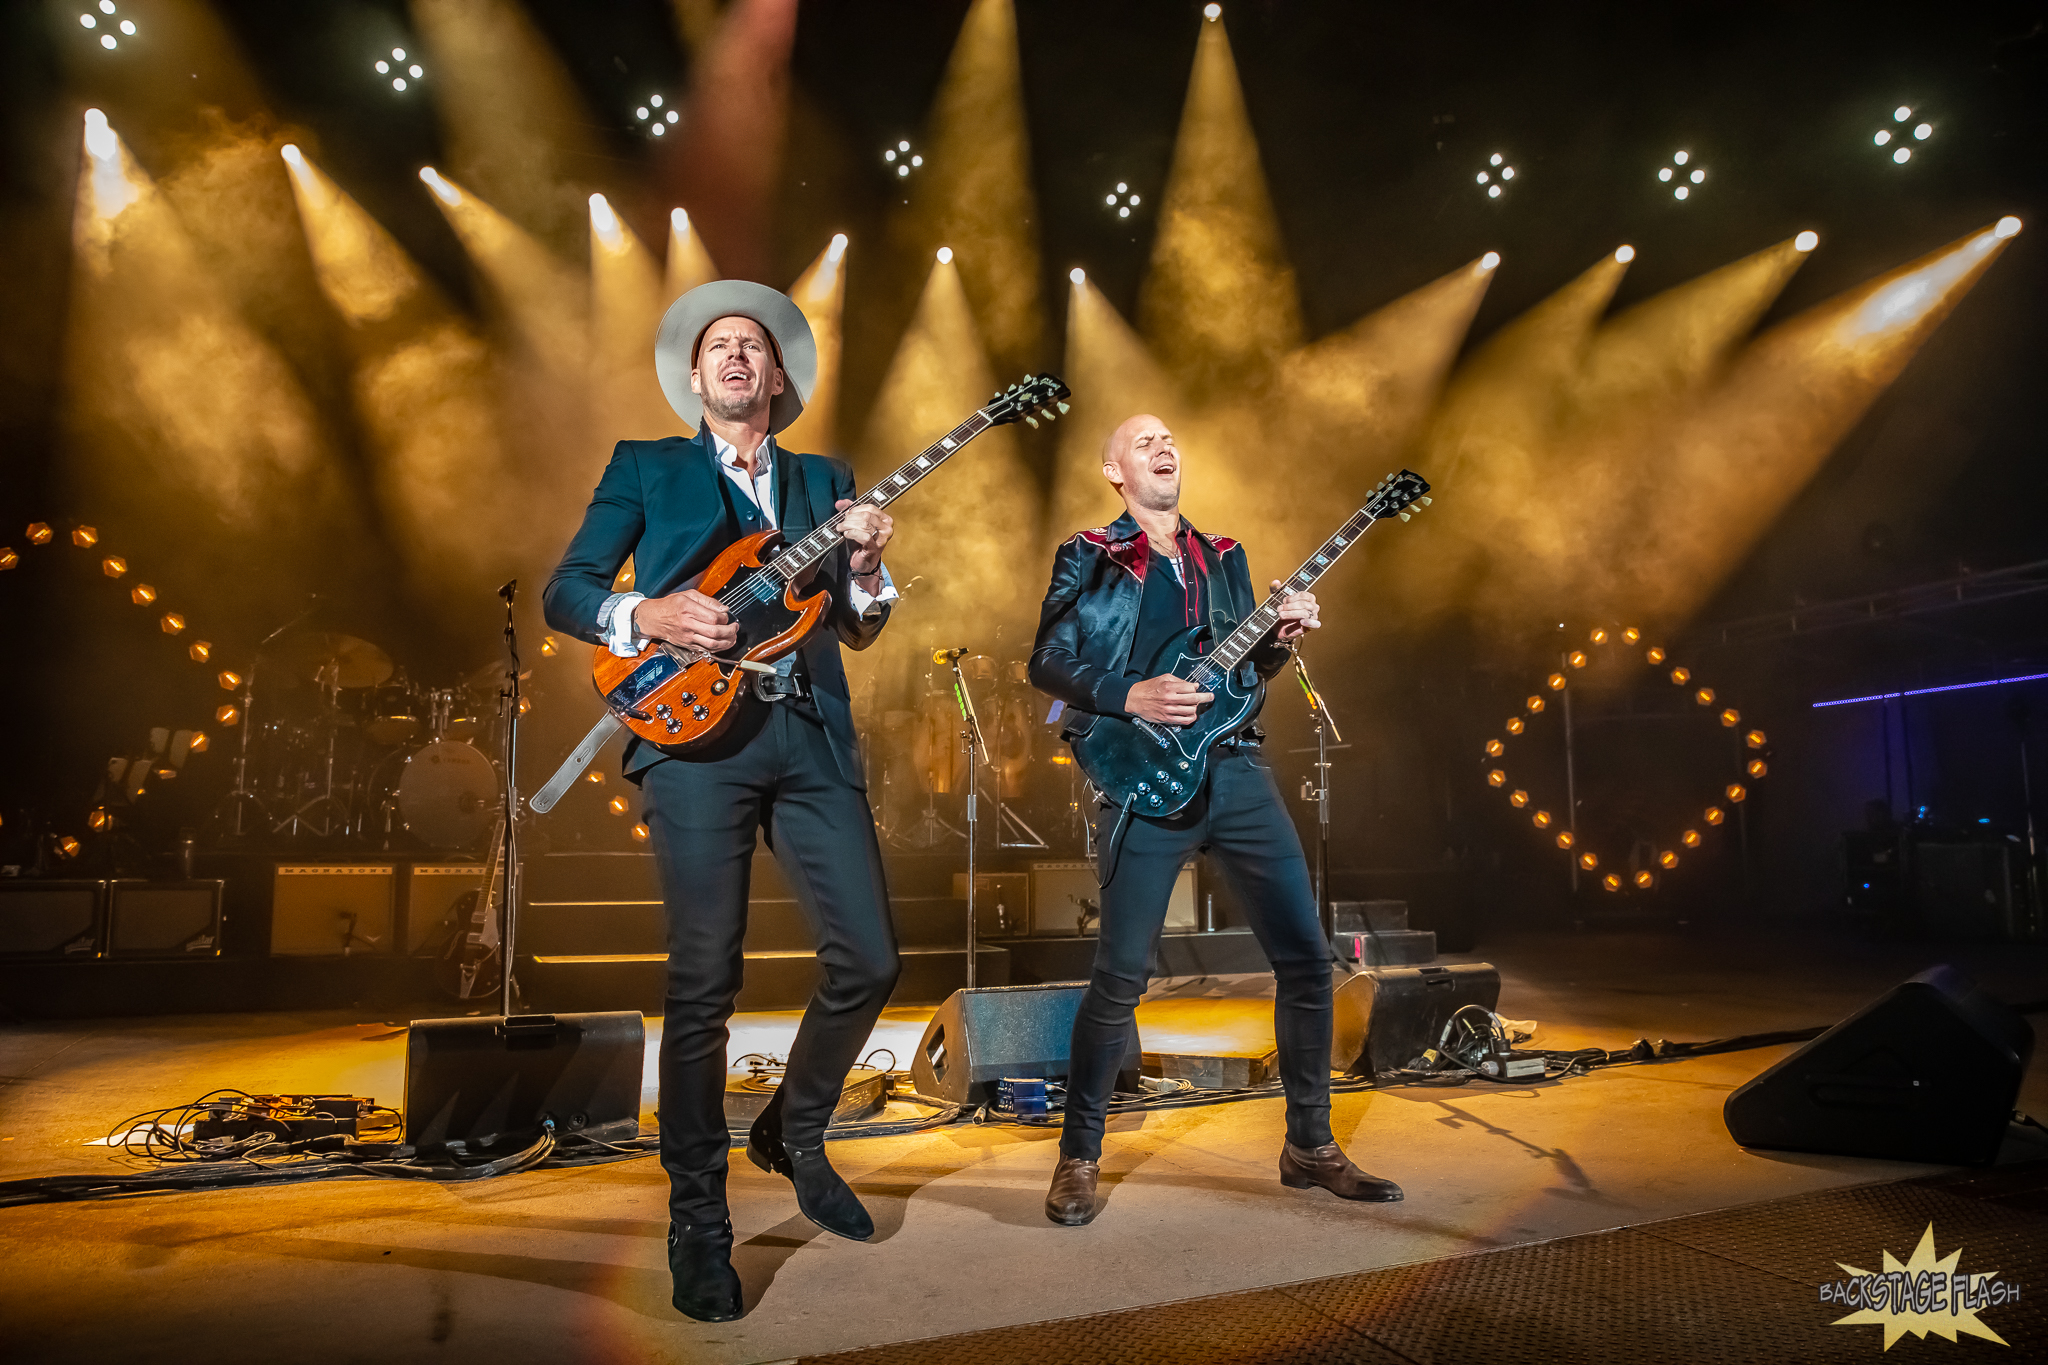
column 475, row 1079
column 1928, row 1072
column 1383, row 1019
column 981, row 1036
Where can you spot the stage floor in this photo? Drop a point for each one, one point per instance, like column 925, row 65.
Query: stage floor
column 569, row 1265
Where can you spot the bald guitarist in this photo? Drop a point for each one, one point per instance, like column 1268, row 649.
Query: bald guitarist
column 1119, row 596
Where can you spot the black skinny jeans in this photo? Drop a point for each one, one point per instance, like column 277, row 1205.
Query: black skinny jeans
column 1239, row 817
column 775, row 771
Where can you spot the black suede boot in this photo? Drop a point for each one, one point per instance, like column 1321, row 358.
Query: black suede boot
column 821, row 1195
column 700, row 1260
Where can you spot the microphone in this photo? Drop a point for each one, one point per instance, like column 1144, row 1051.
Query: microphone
column 946, row 656
column 506, row 592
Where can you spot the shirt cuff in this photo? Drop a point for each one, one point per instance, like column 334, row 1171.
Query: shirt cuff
column 1111, row 694
column 615, row 623
column 864, row 602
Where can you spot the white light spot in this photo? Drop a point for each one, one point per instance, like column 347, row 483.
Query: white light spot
column 1920, row 133
column 398, row 82
column 836, row 251
column 1484, row 177
column 1134, row 201
column 1624, row 254
column 1806, row 241
column 1080, row 276
column 107, row 41
column 903, row 146
column 1680, row 158
column 1507, row 172
column 1489, row 261
column 945, row 255
column 890, row 156
column 902, row 170
column 1699, row 177
column 1493, row 191
column 917, row 161
column 1883, row 136
column 641, row 113
column 1123, row 213
column 415, row 71
column 1902, row 113
column 1121, row 188
column 106, row 6
column 1664, row 174
column 1681, row 192
column 383, row 68
column 397, row 54
column 87, row 20
column 2008, row 226
column 128, row 27
column 671, row 116
column 1212, row 12
column 660, row 128
column 100, row 139
column 1903, row 155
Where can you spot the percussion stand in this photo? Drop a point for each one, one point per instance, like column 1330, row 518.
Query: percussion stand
column 970, row 735
column 240, row 795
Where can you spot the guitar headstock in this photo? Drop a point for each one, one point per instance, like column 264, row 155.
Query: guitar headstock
column 1393, row 495
column 1032, row 397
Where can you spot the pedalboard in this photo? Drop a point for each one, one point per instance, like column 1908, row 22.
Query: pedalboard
column 291, row 1117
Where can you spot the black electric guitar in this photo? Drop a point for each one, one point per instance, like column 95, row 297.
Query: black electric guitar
column 1156, row 769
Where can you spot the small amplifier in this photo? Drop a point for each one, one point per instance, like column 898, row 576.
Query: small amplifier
column 1066, row 901
column 430, row 895
column 332, row 909
column 163, row 919
column 50, row 919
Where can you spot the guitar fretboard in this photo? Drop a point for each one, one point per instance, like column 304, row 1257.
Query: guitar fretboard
column 821, row 542
column 1224, row 659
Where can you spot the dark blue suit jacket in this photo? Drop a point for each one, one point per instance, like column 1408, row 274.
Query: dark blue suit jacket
column 661, row 502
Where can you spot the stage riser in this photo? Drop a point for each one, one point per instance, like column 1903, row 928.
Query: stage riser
column 772, row 983
column 118, row 989
column 594, row 927
column 1036, row 960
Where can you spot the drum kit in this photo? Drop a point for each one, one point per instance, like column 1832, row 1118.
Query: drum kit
column 918, row 760
column 371, row 757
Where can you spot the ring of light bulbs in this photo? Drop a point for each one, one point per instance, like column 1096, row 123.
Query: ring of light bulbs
column 1668, row 857
column 170, row 623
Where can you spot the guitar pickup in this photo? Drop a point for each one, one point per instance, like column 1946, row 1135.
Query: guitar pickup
column 1157, row 735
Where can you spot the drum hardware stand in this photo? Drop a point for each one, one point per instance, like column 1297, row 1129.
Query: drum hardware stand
column 970, row 735
column 240, row 794
column 330, row 685
column 1318, row 790
column 1030, row 838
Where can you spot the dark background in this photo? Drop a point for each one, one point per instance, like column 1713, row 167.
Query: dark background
column 1371, row 120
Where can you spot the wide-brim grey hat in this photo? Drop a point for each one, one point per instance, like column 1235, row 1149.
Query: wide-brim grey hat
column 675, row 345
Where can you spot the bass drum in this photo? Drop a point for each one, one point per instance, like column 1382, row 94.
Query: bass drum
column 448, row 794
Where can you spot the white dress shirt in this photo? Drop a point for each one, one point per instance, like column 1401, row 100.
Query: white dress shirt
column 615, row 617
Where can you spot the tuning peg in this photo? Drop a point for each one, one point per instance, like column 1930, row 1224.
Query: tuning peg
column 1065, row 408
column 1404, row 516
column 1048, row 414
column 1423, row 501
column 1031, row 422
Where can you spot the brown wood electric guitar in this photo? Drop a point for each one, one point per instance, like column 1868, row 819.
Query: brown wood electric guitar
column 680, row 695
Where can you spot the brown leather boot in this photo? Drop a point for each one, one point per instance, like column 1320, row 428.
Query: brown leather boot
column 1071, row 1200
column 1303, row 1168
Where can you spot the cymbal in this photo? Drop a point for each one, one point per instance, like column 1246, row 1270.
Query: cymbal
column 356, row 663
column 489, row 679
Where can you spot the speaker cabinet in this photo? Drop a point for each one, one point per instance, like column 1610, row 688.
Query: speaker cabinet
column 1384, row 1019
column 164, row 919
column 332, row 909
column 984, row 1035
column 1928, row 1072
column 431, row 890
column 472, row 1079
column 50, row 919
column 1064, row 895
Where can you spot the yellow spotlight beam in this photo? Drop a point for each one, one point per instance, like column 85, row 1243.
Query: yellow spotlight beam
column 689, row 264
column 821, row 292
column 974, row 193
column 1220, row 293
column 626, row 303
column 1784, row 405
column 967, row 528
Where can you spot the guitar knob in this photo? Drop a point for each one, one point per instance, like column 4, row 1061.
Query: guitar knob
column 1159, row 773
column 718, row 688
column 700, row 711
column 687, row 698
column 1145, row 787
column 663, row 711
column 1176, row 786
column 1183, row 765
column 675, row 727
column 1154, row 800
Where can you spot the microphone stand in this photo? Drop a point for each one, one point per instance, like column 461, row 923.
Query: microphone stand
column 970, row 735
column 1319, row 791
column 510, row 699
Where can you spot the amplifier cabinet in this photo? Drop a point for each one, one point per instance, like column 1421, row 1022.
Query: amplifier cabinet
column 164, row 919
column 1065, row 894
column 332, row 909
column 431, row 890
column 50, row 919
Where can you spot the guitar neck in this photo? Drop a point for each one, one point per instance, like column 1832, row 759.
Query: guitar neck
column 1228, row 655
column 806, row 552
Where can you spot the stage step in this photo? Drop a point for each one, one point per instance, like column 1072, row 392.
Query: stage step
column 591, row 926
column 571, row 983
column 1035, row 960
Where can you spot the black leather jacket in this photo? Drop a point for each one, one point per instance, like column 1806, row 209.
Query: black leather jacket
column 1090, row 614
